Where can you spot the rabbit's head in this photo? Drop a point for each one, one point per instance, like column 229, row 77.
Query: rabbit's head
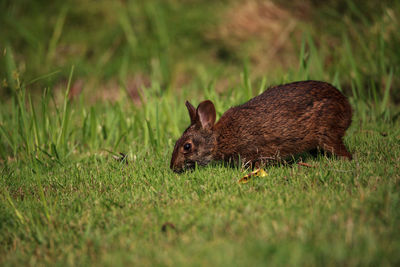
column 198, row 142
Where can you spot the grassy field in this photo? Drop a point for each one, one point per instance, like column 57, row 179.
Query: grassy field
column 87, row 182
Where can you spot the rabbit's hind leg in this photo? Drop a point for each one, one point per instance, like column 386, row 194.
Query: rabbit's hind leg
column 336, row 148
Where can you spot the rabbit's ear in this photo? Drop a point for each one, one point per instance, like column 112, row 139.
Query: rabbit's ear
column 192, row 112
column 206, row 114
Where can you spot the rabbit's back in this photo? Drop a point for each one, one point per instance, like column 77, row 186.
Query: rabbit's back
column 285, row 120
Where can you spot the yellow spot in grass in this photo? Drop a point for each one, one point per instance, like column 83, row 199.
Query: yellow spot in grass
column 255, row 173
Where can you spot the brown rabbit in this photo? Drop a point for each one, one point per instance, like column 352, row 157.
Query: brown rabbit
column 284, row 120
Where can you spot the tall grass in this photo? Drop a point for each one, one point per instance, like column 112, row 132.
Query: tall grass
column 52, row 130
column 49, row 129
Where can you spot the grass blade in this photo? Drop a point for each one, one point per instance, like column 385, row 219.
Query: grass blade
column 66, row 112
column 386, row 94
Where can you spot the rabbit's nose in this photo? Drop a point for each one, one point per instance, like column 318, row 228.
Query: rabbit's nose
column 173, row 166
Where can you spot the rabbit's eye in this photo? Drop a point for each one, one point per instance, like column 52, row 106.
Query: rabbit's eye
column 187, row 146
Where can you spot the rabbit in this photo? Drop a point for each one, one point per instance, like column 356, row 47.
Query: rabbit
column 282, row 121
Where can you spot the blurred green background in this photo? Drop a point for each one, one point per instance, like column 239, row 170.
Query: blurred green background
column 131, row 44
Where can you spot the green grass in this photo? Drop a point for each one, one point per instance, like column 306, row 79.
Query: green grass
column 97, row 210
column 68, row 197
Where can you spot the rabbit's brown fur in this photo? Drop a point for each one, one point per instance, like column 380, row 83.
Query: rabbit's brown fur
column 284, row 120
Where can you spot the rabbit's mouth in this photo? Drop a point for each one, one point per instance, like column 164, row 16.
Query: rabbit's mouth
column 179, row 171
column 189, row 165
